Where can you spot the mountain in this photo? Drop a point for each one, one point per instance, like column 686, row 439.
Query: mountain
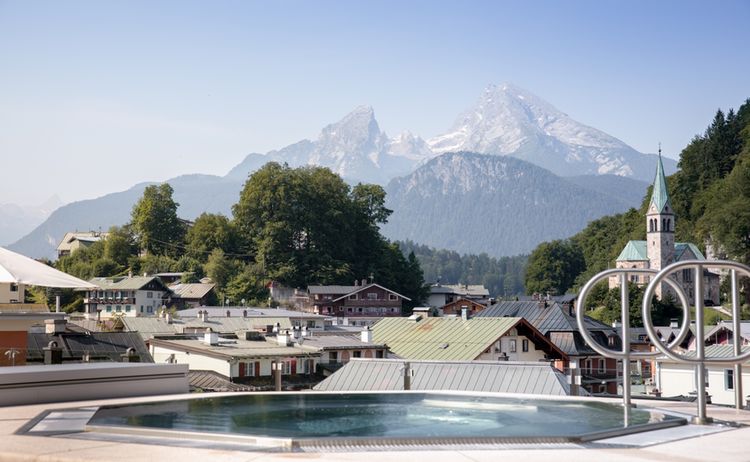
column 195, row 194
column 508, row 120
column 18, row 220
column 499, row 205
column 353, row 147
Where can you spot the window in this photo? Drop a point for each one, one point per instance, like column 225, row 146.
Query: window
column 372, row 296
column 287, row 370
column 728, row 379
column 602, row 366
column 512, row 346
column 118, row 308
column 379, row 354
column 127, row 308
column 150, row 309
column 109, row 308
column 13, row 287
column 356, row 354
column 141, row 308
column 525, row 345
column 353, row 297
column 333, row 356
column 311, row 324
column 149, row 295
column 392, row 297
column 633, row 278
column 687, row 275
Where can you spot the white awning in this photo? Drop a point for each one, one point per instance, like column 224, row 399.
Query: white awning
column 19, row 269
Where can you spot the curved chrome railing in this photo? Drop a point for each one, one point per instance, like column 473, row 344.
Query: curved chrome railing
column 700, row 359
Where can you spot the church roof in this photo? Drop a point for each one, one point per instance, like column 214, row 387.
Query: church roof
column 660, row 195
column 633, row 251
column 637, row 250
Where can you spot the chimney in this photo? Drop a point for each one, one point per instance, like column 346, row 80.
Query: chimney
column 283, row 338
column 130, row 356
column 210, row 337
column 54, row 326
column 244, row 313
column 356, row 283
column 52, row 353
column 163, row 313
column 229, row 314
column 130, row 274
column 305, row 332
column 203, row 314
column 168, row 318
column 464, row 312
column 364, row 282
column 367, row 335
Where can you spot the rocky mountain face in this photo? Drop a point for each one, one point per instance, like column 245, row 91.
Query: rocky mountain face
column 499, row 205
column 17, row 220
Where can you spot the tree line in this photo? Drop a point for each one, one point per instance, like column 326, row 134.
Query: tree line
column 296, row 226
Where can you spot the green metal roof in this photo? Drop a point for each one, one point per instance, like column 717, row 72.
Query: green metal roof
column 634, row 250
column 448, row 339
column 660, row 195
column 681, row 247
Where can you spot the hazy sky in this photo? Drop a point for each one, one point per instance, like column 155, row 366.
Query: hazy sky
column 97, row 96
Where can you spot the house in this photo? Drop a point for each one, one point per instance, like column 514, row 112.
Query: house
column 11, row 292
column 73, row 241
column 457, row 307
column 443, row 294
column 130, row 296
column 660, row 249
column 538, row 378
column 357, row 301
column 678, row 378
column 338, row 350
column 461, row 339
column 246, row 360
column 192, row 295
column 559, row 326
column 723, row 333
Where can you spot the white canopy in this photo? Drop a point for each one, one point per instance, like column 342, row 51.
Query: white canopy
column 18, row 269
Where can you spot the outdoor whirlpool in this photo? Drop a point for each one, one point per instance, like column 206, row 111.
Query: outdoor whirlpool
column 309, row 420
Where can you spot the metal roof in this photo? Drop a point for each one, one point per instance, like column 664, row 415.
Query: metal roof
column 213, row 381
column 660, row 194
column 481, row 376
column 100, row 346
column 452, row 339
column 634, row 251
column 331, row 290
column 545, row 319
column 148, row 326
column 714, row 351
column 239, row 312
column 227, row 349
column 192, row 290
column 637, row 251
column 335, row 342
column 126, row 283
column 475, row 290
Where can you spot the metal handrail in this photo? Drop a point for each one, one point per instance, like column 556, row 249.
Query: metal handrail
column 625, row 355
column 700, row 359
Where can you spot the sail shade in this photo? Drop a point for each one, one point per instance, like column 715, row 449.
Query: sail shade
column 19, row 269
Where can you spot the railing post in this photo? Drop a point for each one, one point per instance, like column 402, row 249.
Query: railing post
column 700, row 350
column 625, row 302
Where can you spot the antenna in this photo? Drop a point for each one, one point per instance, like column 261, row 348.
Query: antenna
column 659, row 148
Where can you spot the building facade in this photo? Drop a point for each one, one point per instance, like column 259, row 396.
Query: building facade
column 125, row 296
column 660, row 249
column 365, row 300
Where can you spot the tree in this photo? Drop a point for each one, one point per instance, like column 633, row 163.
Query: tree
column 209, row 232
column 154, row 221
column 553, row 267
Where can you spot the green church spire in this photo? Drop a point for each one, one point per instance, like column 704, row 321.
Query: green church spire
column 660, row 195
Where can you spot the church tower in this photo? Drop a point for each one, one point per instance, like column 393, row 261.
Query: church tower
column 660, row 224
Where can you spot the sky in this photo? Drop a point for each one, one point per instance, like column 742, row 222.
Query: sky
column 98, row 96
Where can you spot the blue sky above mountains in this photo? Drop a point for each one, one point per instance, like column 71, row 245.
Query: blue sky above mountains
column 97, row 96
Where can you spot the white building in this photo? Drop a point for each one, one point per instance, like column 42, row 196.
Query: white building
column 12, row 293
column 674, row 378
column 125, row 296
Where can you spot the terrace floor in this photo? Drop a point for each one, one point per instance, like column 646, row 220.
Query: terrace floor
column 686, row 443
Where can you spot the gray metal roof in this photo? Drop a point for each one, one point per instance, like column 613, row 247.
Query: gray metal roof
column 192, row 290
column 333, row 342
column 239, row 312
column 212, row 381
column 483, row 376
column 552, row 318
column 332, row 290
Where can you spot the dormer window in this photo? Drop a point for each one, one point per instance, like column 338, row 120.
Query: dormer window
column 353, row 297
